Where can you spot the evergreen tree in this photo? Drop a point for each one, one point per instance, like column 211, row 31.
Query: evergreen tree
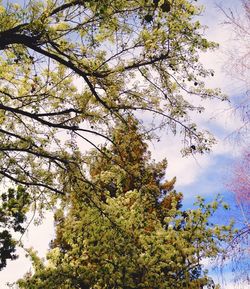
column 69, row 70
column 14, row 206
column 126, row 228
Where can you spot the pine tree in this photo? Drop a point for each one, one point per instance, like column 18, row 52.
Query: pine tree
column 126, row 228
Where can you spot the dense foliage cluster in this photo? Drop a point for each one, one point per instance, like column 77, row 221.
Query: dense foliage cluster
column 70, row 69
column 69, row 72
column 13, row 208
column 127, row 229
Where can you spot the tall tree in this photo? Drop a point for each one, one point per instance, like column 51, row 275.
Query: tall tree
column 70, row 69
column 238, row 65
column 132, row 232
column 239, row 247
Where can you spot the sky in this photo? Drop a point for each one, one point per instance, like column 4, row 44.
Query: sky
column 205, row 175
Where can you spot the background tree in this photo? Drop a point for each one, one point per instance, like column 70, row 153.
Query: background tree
column 238, row 62
column 238, row 65
column 239, row 247
column 13, row 208
column 240, row 184
column 133, row 233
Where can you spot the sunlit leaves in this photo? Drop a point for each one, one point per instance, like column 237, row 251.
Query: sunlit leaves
column 133, row 234
column 69, row 71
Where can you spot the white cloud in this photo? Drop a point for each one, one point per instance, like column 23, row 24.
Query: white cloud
column 226, row 281
column 186, row 169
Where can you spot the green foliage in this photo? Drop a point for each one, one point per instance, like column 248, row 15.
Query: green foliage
column 71, row 70
column 126, row 228
column 74, row 68
column 13, row 208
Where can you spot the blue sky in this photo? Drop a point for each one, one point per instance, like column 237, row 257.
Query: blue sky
column 205, row 175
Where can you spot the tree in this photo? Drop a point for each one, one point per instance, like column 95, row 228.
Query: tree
column 238, row 65
column 238, row 62
column 70, row 69
column 134, row 234
column 13, row 208
column 239, row 246
column 240, row 184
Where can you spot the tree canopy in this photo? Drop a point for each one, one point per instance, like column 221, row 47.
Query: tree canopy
column 70, row 69
column 127, row 229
